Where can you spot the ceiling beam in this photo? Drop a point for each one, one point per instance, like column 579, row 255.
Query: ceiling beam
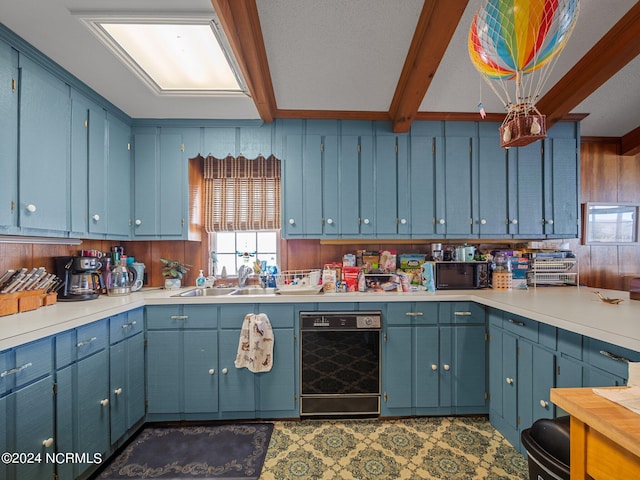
column 630, row 143
column 616, row 49
column 437, row 23
column 241, row 24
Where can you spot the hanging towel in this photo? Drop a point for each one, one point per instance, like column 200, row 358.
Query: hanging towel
column 255, row 347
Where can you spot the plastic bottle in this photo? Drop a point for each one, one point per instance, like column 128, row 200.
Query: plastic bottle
column 201, row 281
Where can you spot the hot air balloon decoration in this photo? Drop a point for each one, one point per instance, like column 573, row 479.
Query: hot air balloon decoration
column 514, row 44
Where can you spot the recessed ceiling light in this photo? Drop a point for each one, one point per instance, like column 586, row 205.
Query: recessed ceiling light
column 173, row 55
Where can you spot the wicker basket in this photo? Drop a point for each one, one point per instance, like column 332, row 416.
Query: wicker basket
column 516, row 131
column 502, row 280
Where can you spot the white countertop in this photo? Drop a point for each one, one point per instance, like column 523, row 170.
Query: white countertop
column 576, row 309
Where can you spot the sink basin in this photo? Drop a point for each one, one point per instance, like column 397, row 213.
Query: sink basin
column 206, row 292
column 254, row 291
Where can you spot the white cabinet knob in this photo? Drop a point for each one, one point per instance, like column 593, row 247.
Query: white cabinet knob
column 441, row 221
column 329, row 221
column 31, row 208
column 514, row 221
column 434, row 367
column 48, row 442
column 544, row 403
column 446, row 367
column 211, row 371
column 104, row 402
column 117, row 391
column 366, row 221
column 292, row 221
column 403, row 221
column 96, row 217
column 138, row 221
column 483, row 221
column 224, row 371
column 509, row 380
column 550, row 221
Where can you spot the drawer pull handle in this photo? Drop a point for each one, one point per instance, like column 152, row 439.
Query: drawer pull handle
column 516, row 322
column 117, row 391
column 544, row 403
column 86, row 342
column 462, row 313
column 13, row 371
column 414, row 314
column 509, row 380
column 179, row 317
column 48, row 442
column 615, row 357
column 128, row 325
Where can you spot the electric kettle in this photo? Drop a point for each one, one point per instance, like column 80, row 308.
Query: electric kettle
column 121, row 280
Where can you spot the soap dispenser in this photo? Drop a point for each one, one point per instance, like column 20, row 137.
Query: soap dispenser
column 201, row 281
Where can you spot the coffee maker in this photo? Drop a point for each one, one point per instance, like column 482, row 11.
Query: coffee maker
column 82, row 279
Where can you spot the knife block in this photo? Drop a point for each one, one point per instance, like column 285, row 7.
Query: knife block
column 30, row 300
column 8, row 304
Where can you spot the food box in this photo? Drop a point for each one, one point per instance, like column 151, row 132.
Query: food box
column 519, row 267
column 350, row 275
column 411, row 263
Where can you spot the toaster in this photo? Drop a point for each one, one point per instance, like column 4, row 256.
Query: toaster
column 634, row 289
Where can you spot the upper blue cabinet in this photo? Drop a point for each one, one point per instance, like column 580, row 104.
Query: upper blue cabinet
column 8, row 138
column 249, row 141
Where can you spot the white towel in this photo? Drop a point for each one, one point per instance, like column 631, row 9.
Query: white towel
column 255, row 347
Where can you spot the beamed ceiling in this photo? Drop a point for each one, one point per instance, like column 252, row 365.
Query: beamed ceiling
column 396, row 60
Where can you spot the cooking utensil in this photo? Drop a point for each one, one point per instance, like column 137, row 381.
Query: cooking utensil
column 5, row 277
column 15, row 281
column 613, row 301
column 37, row 275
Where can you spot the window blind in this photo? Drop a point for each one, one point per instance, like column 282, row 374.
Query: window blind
column 241, row 194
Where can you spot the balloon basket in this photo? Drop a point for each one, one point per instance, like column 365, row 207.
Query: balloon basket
column 519, row 130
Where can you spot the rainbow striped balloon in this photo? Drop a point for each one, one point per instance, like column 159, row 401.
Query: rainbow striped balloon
column 511, row 38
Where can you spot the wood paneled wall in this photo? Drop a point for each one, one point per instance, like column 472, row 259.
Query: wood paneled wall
column 605, row 176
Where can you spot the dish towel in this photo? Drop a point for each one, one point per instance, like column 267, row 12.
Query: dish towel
column 255, row 348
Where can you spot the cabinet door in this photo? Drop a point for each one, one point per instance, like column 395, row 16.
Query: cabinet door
column 386, row 184
column 200, row 370
column 164, row 371
column 398, row 376
column 492, row 182
column 468, row 367
column 8, row 137
column 428, row 369
column 44, row 139
column 237, row 388
column 98, row 171
column 33, row 426
column 65, row 439
column 292, row 218
column 312, row 185
column 118, row 178
column 277, row 392
column 422, row 183
column 92, row 403
column 80, row 127
column 525, row 198
column 332, row 188
column 509, row 380
column 4, row 415
column 348, row 188
column 255, row 141
column 496, row 383
column 219, row 142
column 172, row 170
column 367, row 218
column 535, row 379
column 146, row 181
column 561, row 169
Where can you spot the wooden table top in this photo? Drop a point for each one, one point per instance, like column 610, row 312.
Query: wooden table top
column 618, row 423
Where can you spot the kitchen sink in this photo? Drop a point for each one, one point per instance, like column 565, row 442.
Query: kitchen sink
column 254, row 291
column 206, row 292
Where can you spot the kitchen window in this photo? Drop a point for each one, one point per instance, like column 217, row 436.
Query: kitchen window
column 229, row 250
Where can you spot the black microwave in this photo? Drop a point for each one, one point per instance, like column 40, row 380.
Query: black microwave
column 461, row 275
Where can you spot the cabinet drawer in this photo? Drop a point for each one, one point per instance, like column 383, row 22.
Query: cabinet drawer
column 462, row 312
column 232, row 316
column 33, row 360
column 280, row 316
column 125, row 325
column 421, row 313
column 91, row 338
column 164, row 318
column 608, row 357
column 521, row 326
column 6, row 363
column 182, row 317
column 65, row 348
column 570, row 343
column 200, row 316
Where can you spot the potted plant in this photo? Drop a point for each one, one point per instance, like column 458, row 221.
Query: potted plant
column 173, row 271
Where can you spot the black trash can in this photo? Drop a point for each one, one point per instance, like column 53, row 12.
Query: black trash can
column 547, row 444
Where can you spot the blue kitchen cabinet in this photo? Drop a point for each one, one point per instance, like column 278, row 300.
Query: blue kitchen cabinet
column 219, row 142
column 182, row 362
column 4, row 446
column 526, row 195
column 255, row 141
column 397, row 371
column 118, row 178
column 277, row 390
column 96, row 166
column 172, row 170
column 126, row 381
column 44, row 139
column 8, row 138
column 490, row 210
column 348, row 188
column 80, row 180
column 454, row 192
column 385, row 187
column 145, row 179
column 561, row 181
column 330, row 187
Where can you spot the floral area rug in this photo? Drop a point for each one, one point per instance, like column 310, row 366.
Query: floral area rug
column 203, row 452
column 452, row 448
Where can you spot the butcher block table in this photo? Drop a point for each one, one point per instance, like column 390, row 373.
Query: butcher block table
column 605, row 437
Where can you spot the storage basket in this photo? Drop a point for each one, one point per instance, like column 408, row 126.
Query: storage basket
column 523, row 125
column 306, row 278
column 502, row 280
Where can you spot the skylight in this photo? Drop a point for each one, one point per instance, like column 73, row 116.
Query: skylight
column 173, row 56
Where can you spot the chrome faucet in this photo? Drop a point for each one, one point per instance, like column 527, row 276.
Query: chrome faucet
column 243, row 274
